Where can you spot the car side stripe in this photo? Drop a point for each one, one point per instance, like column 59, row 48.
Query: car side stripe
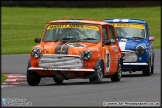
column 58, row 47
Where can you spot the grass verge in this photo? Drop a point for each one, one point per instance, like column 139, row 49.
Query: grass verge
column 21, row 25
column 3, row 78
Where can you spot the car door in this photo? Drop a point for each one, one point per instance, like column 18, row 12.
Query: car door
column 107, row 55
column 115, row 49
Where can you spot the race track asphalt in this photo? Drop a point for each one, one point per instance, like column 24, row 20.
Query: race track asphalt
column 79, row 92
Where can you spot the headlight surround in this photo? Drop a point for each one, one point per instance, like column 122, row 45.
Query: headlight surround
column 36, row 53
column 140, row 49
column 86, row 55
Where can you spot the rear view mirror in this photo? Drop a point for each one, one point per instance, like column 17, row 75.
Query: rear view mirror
column 37, row 40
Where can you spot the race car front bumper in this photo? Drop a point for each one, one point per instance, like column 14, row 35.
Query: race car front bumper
column 140, row 64
column 61, row 69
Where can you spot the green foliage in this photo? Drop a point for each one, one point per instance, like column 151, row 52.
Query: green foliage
column 21, row 25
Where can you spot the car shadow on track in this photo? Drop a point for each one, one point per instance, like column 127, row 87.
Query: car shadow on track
column 74, row 83
column 135, row 75
column 132, row 75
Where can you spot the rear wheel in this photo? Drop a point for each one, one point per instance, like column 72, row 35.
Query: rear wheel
column 118, row 74
column 152, row 69
column 98, row 74
column 33, row 78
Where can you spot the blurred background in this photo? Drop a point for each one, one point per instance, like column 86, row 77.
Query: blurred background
column 83, row 4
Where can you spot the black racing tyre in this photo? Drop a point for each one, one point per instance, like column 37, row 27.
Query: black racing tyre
column 152, row 67
column 118, row 74
column 33, row 78
column 98, row 74
column 147, row 69
column 58, row 80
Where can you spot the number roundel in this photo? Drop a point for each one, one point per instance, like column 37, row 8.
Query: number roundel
column 107, row 60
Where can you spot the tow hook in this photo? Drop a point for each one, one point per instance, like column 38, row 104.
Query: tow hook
column 130, row 71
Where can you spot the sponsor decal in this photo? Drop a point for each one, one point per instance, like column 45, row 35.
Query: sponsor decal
column 73, row 26
column 139, row 26
column 61, row 51
column 76, row 45
column 115, row 49
column 48, row 51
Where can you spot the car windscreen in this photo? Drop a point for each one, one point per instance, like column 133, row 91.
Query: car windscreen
column 72, row 32
column 128, row 30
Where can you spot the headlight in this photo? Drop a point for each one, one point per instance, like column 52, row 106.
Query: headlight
column 86, row 54
column 36, row 53
column 140, row 49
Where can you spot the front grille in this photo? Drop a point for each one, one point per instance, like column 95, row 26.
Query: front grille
column 60, row 61
column 129, row 56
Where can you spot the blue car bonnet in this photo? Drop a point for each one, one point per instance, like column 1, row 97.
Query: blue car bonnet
column 129, row 44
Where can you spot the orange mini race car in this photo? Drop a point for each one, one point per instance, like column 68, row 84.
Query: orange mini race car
column 75, row 49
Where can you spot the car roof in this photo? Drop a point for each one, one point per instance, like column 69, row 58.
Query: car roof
column 118, row 20
column 80, row 21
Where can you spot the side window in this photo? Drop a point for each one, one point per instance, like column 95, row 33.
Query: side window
column 104, row 33
column 112, row 38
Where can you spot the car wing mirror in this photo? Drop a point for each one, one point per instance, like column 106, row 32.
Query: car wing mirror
column 37, row 40
column 151, row 38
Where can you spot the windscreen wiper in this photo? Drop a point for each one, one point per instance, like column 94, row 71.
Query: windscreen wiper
column 138, row 37
column 89, row 39
column 56, row 40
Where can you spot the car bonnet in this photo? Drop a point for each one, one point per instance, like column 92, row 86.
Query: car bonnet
column 128, row 44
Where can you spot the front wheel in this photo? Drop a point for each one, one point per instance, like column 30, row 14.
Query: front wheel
column 147, row 69
column 118, row 74
column 33, row 78
column 98, row 74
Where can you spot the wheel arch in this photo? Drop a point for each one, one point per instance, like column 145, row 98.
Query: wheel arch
column 97, row 63
column 29, row 64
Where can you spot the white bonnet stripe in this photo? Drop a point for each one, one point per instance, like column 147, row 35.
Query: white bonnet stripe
column 122, row 44
column 115, row 20
column 125, row 20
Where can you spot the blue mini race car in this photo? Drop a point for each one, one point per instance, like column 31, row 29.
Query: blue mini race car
column 136, row 45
